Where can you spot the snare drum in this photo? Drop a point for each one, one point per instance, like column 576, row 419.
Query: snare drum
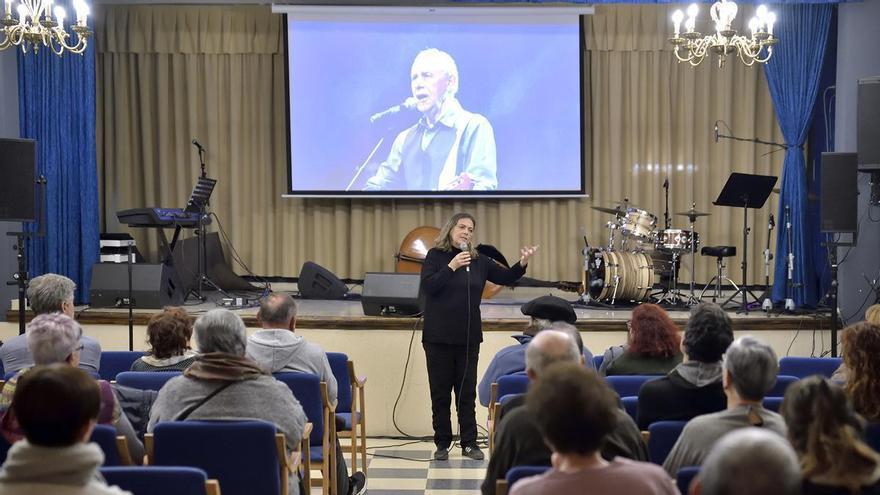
column 632, row 274
column 677, row 240
column 638, row 223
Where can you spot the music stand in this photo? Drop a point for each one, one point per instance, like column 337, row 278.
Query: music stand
column 198, row 203
column 745, row 191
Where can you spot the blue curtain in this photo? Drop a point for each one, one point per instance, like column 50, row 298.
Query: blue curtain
column 56, row 98
column 793, row 78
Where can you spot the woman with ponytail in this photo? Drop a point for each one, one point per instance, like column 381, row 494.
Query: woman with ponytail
column 826, row 433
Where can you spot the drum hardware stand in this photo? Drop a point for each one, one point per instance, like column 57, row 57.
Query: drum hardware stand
column 767, row 303
column 673, row 295
column 718, row 278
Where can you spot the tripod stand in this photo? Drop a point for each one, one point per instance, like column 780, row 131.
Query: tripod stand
column 21, row 276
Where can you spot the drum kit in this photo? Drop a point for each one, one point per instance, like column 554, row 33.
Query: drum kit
column 637, row 253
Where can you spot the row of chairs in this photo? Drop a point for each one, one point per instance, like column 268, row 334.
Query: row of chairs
column 683, row 480
column 800, row 367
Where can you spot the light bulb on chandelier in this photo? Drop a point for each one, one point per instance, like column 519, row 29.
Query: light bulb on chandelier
column 35, row 27
column 693, row 47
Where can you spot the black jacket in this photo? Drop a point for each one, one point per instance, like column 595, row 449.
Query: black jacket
column 672, row 398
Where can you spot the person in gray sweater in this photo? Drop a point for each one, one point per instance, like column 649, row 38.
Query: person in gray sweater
column 749, row 370
column 278, row 348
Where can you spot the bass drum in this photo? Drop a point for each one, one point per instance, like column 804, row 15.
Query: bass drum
column 632, row 274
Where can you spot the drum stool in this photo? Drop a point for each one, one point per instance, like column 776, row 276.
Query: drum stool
column 719, row 252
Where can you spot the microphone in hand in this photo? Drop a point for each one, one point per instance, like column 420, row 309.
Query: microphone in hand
column 464, row 247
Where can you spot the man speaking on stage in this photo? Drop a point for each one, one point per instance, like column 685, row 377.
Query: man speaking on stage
column 449, row 148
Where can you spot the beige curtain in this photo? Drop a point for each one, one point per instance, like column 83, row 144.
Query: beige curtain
column 167, row 74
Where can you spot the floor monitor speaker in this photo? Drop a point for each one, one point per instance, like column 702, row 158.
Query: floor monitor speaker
column 392, row 294
column 317, row 282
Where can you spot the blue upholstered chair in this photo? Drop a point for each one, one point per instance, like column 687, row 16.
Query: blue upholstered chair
column 661, row 439
column 631, row 406
column 246, row 457
column 628, row 385
column 772, row 403
column 156, row 480
column 115, row 362
column 517, row 473
column 597, row 361
column 115, row 446
column 145, row 380
column 803, row 367
column 506, row 385
column 872, row 435
column 4, row 448
column 684, row 478
column 350, row 407
column 782, row 383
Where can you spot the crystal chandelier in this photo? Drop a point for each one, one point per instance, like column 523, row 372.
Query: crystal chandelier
column 38, row 24
column 750, row 49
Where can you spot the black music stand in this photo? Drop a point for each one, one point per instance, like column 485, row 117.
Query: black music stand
column 745, row 191
column 198, row 203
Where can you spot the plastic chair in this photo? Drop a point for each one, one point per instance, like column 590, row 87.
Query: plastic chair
column 631, row 406
column 115, row 362
column 772, row 403
column 115, row 446
column 662, row 437
column 803, row 367
column 782, row 383
column 311, row 393
column 246, row 457
column 684, row 478
column 628, row 385
column 154, row 480
column 350, row 407
column 145, row 380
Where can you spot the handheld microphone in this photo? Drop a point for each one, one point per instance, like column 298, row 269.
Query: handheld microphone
column 407, row 104
column 463, row 246
column 666, row 183
column 716, row 131
column 197, row 145
column 772, row 222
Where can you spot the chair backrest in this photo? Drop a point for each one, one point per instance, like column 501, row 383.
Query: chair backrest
column 631, row 406
column 339, row 367
column 145, row 380
column 597, row 361
column 872, row 435
column 8, row 375
column 517, row 473
column 663, row 435
column 242, row 455
column 4, row 448
column 512, row 384
column 803, row 367
column 157, row 480
column 306, row 387
column 628, row 385
column 772, row 403
column 782, row 383
column 684, row 478
column 115, row 362
column 105, row 437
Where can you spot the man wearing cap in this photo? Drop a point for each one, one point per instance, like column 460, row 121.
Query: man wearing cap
column 544, row 311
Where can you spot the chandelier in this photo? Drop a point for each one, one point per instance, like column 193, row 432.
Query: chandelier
column 692, row 47
column 38, row 24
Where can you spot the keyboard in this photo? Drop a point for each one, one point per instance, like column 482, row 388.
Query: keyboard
column 157, row 217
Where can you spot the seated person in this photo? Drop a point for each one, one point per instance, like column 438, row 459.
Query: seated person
column 278, row 348
column 575, row 410
column 694, row 386
column 652, row 346
column 543, row 312
column 750, row 461
column 861, row 346
column 55, row 338
column 518, row 442
column 872, row 316
column 58, row 407
column 249, row 391
column 827, row 435
column 749, row 372
column 49, row 293
column 168, row 334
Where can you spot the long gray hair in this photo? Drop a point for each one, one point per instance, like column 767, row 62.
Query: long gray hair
column 444, row 243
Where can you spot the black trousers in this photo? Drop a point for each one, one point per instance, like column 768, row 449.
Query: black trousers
column 453, row 368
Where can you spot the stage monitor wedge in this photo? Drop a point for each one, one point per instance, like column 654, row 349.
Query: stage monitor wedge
column 317, row 282
column 392, row 294
column 18, row 165
column 838, row 208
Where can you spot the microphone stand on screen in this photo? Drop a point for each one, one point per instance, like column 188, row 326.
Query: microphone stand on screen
column 360, row 169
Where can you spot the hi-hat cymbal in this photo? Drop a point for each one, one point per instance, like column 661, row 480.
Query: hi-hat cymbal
column 692, row 213
column 611, row 211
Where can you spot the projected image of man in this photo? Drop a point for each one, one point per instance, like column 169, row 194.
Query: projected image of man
column 449, row 148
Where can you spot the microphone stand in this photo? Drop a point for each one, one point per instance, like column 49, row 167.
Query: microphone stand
column 21, row 277
column 363, row 165
column 789, row 293
column 767, row 305
column 718, row 136
column 666, row 211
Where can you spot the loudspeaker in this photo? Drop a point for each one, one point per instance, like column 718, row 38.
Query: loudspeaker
column 186, row 256
column 18, row 166
column 154, row 286
column 868, row 133
column 838, row 203
column 387, row 294
column 317, row 282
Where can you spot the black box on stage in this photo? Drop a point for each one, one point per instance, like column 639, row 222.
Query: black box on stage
column 154, row 286
column 839, row 207
column 392, row 294
column 868, row 123
column 317, row 282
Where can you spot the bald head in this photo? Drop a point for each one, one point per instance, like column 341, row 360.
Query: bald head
column 277, row 311
column 549, row 346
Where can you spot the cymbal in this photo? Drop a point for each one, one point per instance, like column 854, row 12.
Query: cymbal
column 610, row 211
column 692, row 213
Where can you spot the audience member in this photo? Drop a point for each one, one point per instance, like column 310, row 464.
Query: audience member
column 652, row 347
column 826, row 434
column 518, row 442
column 749, row 372
column 861, row 346
column 168, row 334
column 278, row 348
column 750, row 461
column 872, row 316
column 56, row 338
column 575, row 411
column 543, row 312
column 237, row 387
column 49, row 293
column 694, row 386
column 57, row 406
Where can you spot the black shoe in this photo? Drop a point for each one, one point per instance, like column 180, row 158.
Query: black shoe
column 357, row 484
column 473, row 452
column 441, row 454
